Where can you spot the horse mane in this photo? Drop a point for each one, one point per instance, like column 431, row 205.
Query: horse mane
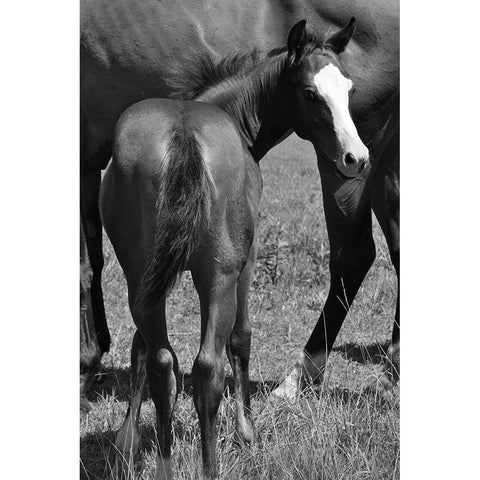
column 242, row 84
column 196, row 75
column 207, row 71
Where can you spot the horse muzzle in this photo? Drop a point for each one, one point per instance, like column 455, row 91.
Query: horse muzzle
column 352, row 165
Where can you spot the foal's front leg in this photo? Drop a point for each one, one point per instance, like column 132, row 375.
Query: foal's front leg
column 218, row 301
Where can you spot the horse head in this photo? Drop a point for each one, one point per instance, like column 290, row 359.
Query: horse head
column 320, row 92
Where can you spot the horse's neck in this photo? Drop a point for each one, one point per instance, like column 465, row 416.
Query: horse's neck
column 253, row 103
column 267, row 138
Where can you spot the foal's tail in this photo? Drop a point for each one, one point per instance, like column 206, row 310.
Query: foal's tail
column 183, row 212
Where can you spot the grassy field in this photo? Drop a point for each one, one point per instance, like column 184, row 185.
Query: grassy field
column 336, row 433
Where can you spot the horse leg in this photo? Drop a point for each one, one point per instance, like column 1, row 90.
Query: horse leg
column 162, row 371
column 238, row 351
column 218, row 304
column 152, row 357
column 90, row 213
column 127, row 439
column 89, row 350
column 352, row 252
column 386, row 205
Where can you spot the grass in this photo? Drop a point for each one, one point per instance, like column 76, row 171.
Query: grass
column 335, row 433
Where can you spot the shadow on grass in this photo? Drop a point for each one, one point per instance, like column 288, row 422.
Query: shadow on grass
column 111, row 381
column 97, row 452
column 347, row 396
column 116, row 381
column 97, row 455
column 364, row 354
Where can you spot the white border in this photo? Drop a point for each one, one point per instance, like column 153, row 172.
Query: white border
column 440, row 239
column 39, row 201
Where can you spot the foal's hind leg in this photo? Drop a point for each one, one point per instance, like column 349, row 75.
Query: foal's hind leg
column 238, row 351
column 386, row 205
column 151, row 356
column 162, row 371
column 218, row 301
column 128, row 437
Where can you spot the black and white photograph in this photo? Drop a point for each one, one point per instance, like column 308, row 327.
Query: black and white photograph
column 200, row 205
column 240, row 239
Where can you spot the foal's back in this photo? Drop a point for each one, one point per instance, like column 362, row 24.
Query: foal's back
column 143, row 133
column 133, row 182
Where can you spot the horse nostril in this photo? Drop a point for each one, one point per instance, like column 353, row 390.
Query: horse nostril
column 362, row 166
column 350, row 159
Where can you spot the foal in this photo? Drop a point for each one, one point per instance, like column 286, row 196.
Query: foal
column 182, row 193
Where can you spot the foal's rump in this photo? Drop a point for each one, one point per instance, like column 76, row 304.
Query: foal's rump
column 178, row 193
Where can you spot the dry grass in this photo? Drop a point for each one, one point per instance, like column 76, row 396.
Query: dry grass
column 336, row 433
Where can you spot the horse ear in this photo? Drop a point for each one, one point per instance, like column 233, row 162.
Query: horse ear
column 297, row 39
column 338, row 41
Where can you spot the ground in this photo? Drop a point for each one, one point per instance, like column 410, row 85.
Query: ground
column 339, row 432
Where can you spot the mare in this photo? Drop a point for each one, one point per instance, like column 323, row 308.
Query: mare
column 126, row 50
column 182, row 193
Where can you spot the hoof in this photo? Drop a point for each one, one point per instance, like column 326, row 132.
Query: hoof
column 287, row 391
column 308, row 371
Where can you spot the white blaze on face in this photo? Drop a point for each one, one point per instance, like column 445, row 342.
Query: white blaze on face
column 333, row 88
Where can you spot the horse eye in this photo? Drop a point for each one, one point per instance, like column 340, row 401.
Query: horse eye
column 309, row 95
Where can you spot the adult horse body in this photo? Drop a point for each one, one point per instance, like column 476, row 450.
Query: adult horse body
column 182, row 193
column 126, row 52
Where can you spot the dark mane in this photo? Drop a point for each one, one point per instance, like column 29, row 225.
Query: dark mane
column 243, row 85
column 205, row 72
